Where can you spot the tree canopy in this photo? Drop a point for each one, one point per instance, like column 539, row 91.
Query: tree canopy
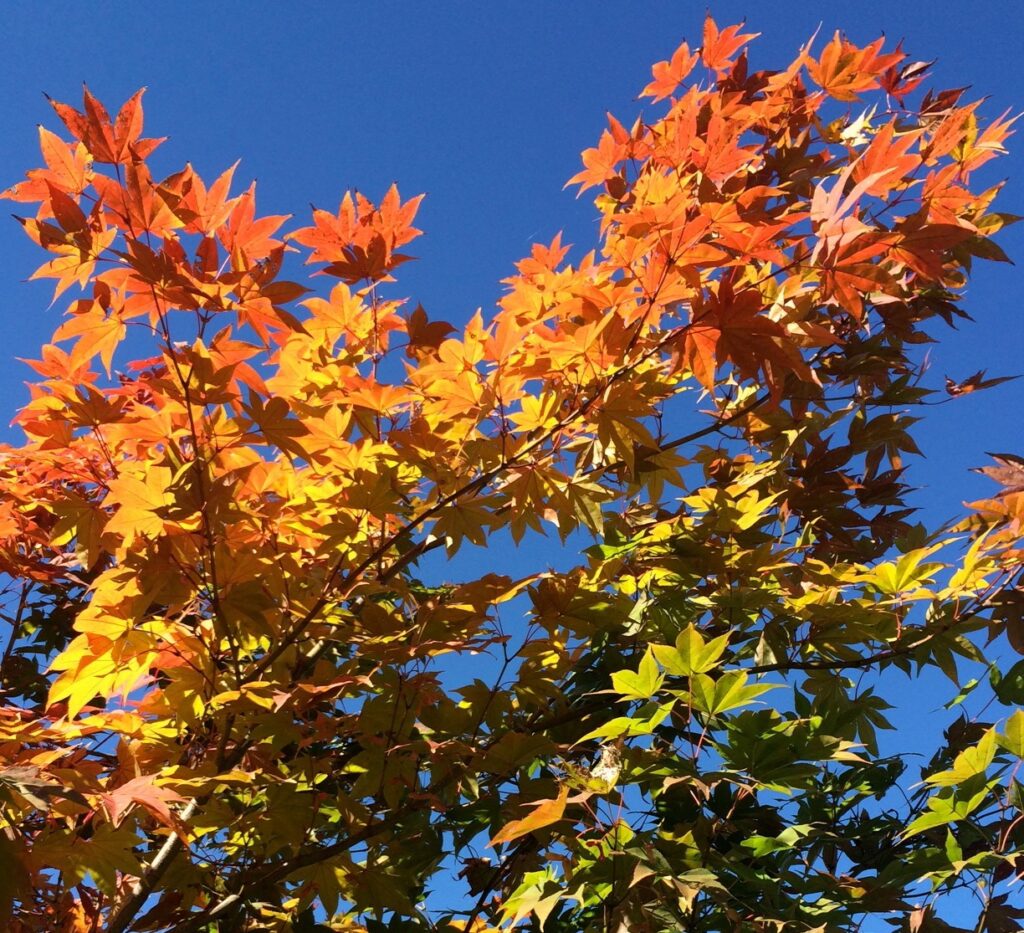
column 251, row 680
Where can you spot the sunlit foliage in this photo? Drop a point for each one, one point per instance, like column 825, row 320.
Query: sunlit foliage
column 241, row 691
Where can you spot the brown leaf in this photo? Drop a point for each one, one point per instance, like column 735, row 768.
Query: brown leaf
column 36, row 788
column 1009, row 473
column 974, row 383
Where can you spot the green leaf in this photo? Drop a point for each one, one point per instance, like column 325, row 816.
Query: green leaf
column 1013, row 739
column 940, row 812
column 787, row 839
column 1010, row 687
column 644, row 722
column 984, row 248
column 729, row 692
column 641, row 685
column 968, row 764
column 691, row 654
column 953, row 851
column 965, row 692
column 947, row 807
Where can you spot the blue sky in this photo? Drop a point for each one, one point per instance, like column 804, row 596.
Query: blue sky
column 485, row 107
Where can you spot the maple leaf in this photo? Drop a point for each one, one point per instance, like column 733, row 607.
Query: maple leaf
column 1008, row 472
column 425, row 336
column 924, row 247
column 359, row 241
column 144, row 792
column 845, row 70
column 732, row 327
column 668, row 75
column 38, row 788
column 601, row 163
column 247, row 237
column 108, row 141
column 136, row 205
column 832, row 212
column 720, row 45
column 345, row 314
column 979, row 149
column 273, row 424
column 76, row 253
column 887, row 159
column 201, row 210
column 140, row 503
column 900, row 82
column 96, row 333
column 395, row 218
column 975, row 382
column 545, row 813
column 68, row 169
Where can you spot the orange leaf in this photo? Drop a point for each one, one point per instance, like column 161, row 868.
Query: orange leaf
column 719, row 47
column 844, row 70
column 545, row 813
column 670, row 74
column 107, row 141
column 97, row 333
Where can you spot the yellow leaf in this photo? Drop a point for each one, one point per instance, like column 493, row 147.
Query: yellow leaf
column 139, row 502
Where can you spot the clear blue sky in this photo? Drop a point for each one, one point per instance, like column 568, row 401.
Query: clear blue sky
column 484, row 106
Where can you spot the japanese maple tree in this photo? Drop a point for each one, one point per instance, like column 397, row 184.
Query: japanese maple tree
column 229, row 695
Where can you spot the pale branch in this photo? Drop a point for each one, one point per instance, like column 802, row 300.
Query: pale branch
column 123, row 915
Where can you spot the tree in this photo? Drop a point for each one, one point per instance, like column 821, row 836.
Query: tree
column 231, row 696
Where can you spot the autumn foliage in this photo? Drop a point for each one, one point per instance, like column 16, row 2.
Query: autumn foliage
column 235, row 694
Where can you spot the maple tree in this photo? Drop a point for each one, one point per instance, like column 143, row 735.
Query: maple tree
column 229, row 695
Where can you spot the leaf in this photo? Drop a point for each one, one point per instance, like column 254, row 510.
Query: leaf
column 729, row 692
column 107, row 141
column 643, row 722
column 1009, row 687
column 140, row 504
column 668, row 75
column 641, row 685
column 425, row 337
column 38, row 789
column 106, row 856
column 691, row 654
column 14, row 878
column 96, row 333
column 545, row 813
column 1013, row 738
column 275, row 424
column 945, row 808
column 1009, row 473
column 845, row 71
column 720, row 45
column 971, row 762
column 974, row 383
column 68, row 166
column 144, row 792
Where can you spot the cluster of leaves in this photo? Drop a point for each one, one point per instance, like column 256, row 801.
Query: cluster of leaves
column 229, row 700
